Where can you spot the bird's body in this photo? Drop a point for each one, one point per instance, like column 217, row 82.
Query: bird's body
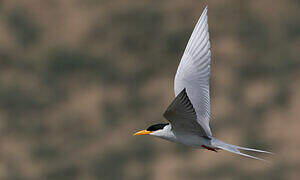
column 189, row 113
column 186, row 138
column 192, row 140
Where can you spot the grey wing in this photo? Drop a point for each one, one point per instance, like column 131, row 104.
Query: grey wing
column 194, row 70
column 182, row 115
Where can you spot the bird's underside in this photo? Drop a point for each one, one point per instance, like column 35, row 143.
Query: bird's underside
column 186, row 130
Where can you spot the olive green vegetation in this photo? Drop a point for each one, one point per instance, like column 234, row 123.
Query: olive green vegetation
column 77, row 78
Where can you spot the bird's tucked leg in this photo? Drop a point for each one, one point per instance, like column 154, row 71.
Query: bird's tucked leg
column 209, row 148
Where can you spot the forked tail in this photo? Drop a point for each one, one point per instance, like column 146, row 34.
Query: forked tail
column 235, row 149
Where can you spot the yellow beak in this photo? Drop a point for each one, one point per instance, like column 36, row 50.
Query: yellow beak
column 143, row 132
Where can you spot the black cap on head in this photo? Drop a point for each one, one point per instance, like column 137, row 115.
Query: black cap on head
column 156, row 127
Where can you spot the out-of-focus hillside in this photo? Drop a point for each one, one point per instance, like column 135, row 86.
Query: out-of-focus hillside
column 78, row 77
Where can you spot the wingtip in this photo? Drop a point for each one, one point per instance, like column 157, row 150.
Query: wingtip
column 204, row 13
column 205, row 9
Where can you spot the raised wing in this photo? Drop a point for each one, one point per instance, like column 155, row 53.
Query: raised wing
column 194, row 70
column 182, row 115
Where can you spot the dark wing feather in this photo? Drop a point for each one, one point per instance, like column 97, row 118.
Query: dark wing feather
column 182, row 115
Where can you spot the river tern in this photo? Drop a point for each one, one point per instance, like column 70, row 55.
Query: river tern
column 189, row 113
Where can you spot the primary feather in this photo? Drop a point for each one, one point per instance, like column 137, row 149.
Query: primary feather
column 194, row 70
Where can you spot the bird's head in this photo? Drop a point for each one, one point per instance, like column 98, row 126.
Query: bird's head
column 155, row 130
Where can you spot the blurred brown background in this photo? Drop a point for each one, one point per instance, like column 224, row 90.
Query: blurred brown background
column 78, row 77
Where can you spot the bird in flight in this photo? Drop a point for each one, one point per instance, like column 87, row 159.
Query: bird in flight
column 189, row 113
